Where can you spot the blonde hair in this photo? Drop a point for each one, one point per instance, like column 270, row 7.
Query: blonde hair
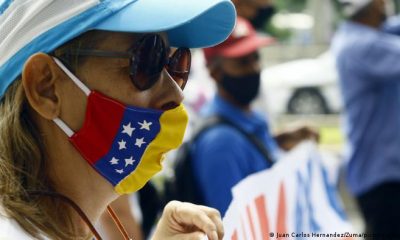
column 23, row 168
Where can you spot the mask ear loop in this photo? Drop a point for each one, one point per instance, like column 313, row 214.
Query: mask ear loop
column 61, row 124
column 76, row 80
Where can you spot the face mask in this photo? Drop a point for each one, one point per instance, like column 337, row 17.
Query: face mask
column 243, row 89
column 125, row 144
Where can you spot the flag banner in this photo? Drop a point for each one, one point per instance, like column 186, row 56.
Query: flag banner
column 292, row 200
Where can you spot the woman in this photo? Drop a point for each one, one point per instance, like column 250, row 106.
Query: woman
column 91, row 101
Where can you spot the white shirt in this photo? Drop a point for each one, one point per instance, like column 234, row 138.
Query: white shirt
column 10, row 230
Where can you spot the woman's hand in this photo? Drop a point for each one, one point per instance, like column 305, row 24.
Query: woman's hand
column 181, row 221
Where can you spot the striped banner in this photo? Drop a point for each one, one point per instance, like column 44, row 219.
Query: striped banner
column 293, row 200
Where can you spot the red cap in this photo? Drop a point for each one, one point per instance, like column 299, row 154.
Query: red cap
column 243, row 41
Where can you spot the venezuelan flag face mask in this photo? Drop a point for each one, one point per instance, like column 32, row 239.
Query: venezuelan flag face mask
column 125, row 144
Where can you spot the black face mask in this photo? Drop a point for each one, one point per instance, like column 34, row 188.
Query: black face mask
column 243, row 89
column 263, row 15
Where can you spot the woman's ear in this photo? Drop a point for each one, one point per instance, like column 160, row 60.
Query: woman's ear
column 39, row 79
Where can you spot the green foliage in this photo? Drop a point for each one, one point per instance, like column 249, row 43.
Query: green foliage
column 282, row 34
column 291, row 5
column 284, row 6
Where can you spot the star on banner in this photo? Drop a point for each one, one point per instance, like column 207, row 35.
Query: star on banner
column 122, row 144
column 120, row 171
column 139, row 142
column 128, row 129
column 114, row 161
column 145, row 125
column 129, row 161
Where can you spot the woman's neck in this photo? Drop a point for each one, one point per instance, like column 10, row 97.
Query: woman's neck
column 74, row 178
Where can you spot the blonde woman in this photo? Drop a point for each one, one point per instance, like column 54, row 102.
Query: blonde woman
column 91, row 96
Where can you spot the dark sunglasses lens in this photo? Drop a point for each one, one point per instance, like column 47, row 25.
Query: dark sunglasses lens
column 149, row 60
column 179, row 66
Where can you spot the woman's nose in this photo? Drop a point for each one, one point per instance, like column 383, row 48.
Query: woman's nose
column 167, row 94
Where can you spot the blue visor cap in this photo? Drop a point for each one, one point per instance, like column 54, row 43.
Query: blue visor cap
column 192, row 24
column 30, row 26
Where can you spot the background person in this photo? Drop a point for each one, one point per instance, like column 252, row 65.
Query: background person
column 367, row 59
column 222, row 156
column 201, row 87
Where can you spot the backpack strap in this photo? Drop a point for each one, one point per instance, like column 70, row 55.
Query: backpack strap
column 216, row 120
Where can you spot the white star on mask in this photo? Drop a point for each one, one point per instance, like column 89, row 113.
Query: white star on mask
column 128, row 129
column 122, row 144
column 114, row 161
column 145, row 125
column 129, row 161
column 120, row 171
column 139, row 142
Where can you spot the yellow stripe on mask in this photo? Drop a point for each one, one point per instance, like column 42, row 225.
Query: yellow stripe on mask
column 172, row 129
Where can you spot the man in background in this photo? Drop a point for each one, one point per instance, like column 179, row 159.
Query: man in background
column 222, row 156
column 368, row 61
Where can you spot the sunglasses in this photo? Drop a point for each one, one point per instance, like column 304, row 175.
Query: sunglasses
column 148, row 57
